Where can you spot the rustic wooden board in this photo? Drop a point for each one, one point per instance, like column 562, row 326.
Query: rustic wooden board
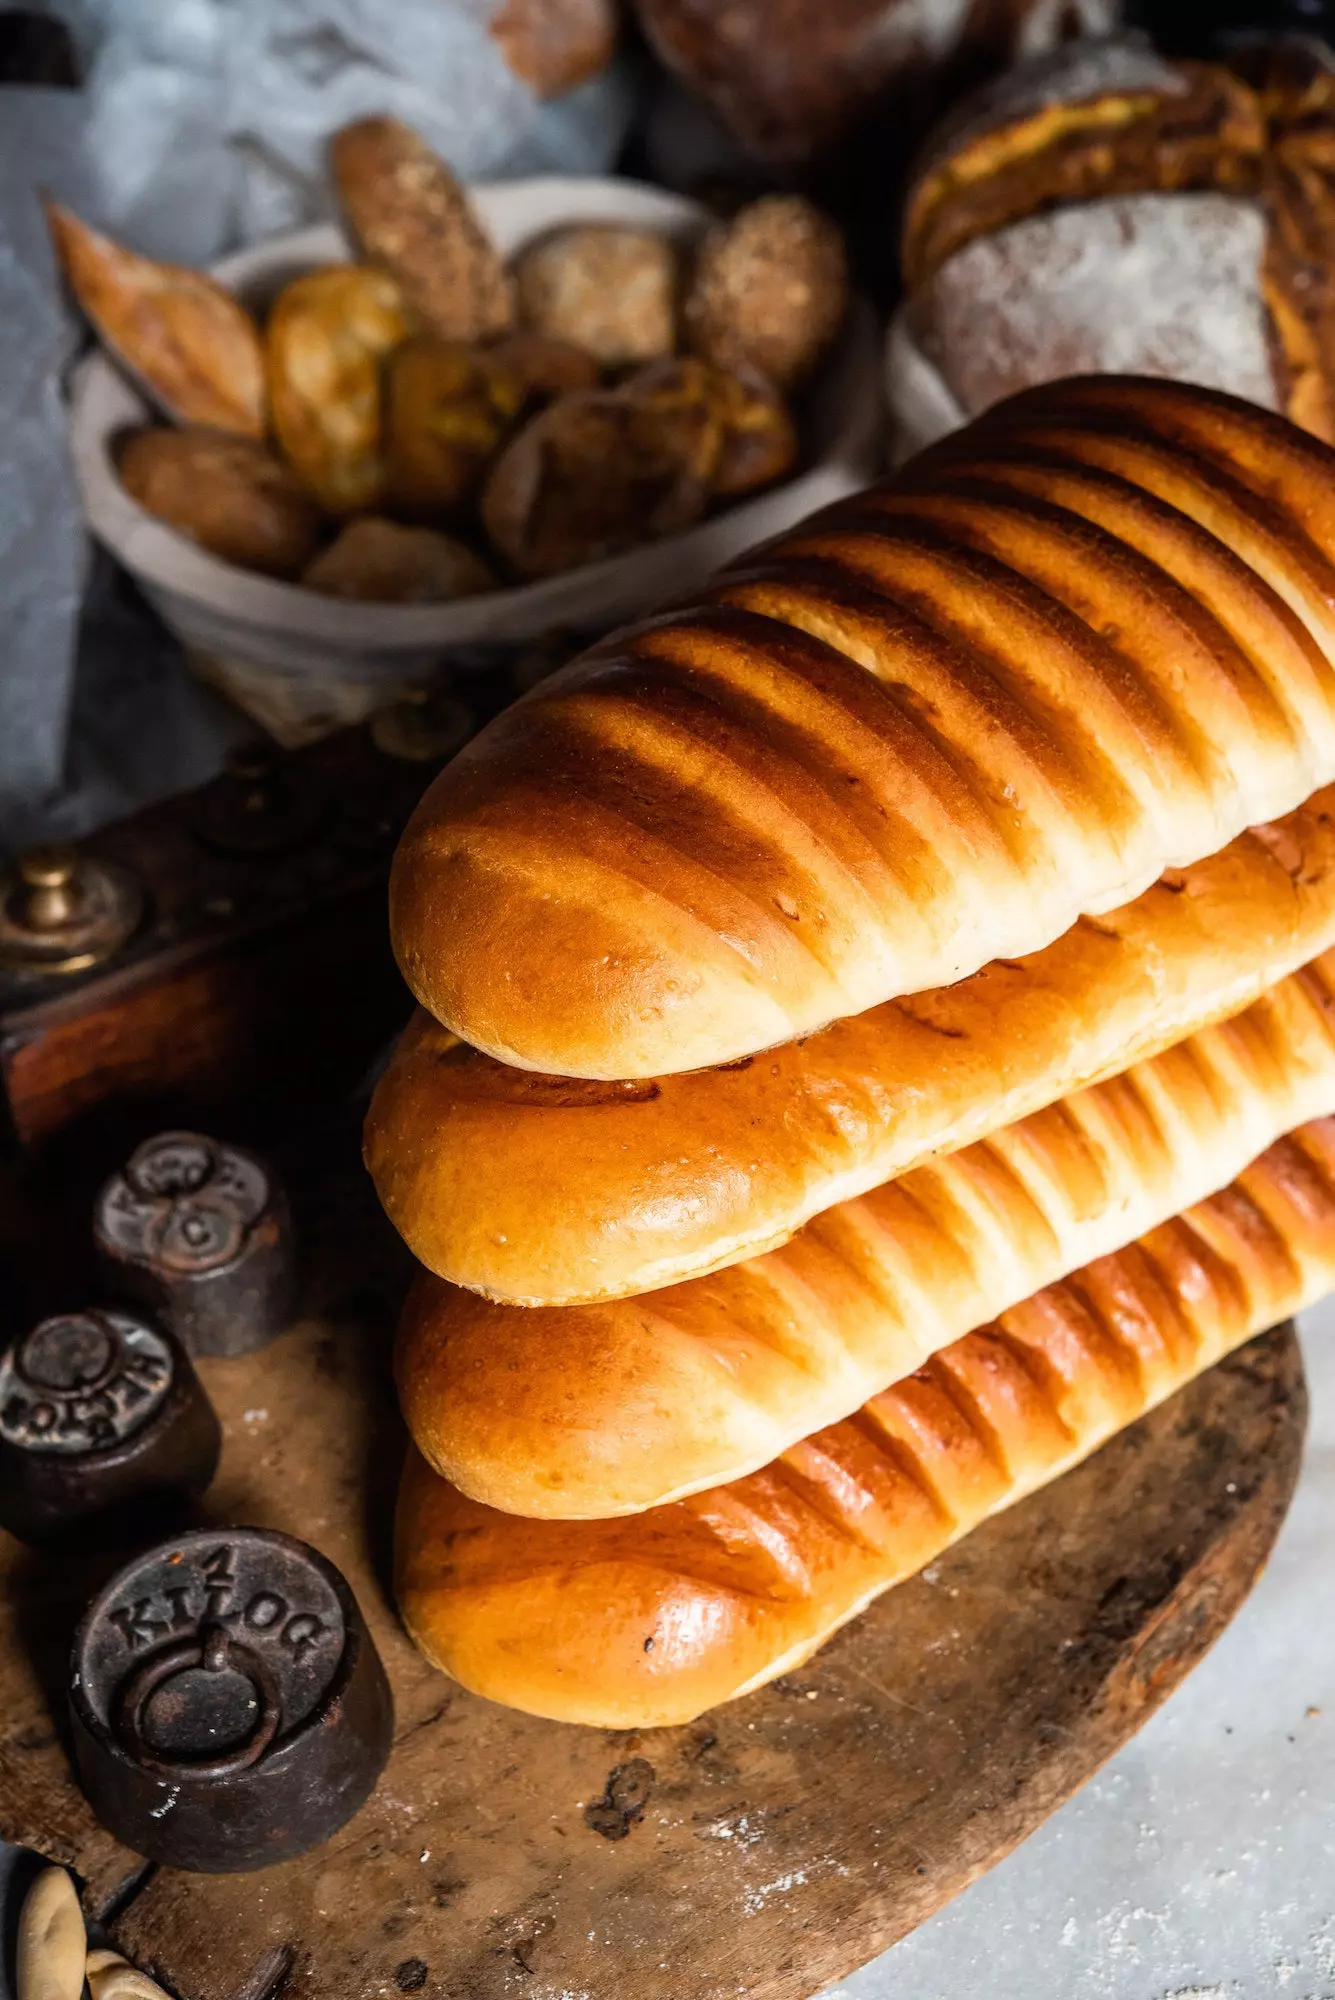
column 766, row 1850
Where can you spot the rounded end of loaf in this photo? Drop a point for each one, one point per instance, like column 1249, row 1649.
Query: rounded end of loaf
column 499, row 1605
column 536, row 1190
column 576, row 1413
column 547, row 935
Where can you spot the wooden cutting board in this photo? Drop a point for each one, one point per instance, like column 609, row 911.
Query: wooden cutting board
column 766, row 1850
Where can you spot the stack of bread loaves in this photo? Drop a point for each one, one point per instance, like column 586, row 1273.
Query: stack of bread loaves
column 876, row 1043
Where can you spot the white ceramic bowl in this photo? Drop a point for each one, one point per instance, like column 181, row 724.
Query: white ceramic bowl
column 302, row 663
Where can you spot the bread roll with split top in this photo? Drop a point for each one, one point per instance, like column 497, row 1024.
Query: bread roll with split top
column 543, row 1190
column 582, row 1411
column 633, row 1624
column 932, row 727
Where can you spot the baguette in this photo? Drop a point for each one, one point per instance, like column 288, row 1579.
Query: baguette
column 931, row 728
column 579, row 1411
column 636, row 1624
column 544, row 1190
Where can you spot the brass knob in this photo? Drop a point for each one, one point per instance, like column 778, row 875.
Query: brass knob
column 63, row 910
column 52, row 894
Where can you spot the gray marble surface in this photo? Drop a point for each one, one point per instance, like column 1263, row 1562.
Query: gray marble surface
column 1200, row 1864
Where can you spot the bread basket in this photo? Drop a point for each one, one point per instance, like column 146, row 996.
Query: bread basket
column 303, row 664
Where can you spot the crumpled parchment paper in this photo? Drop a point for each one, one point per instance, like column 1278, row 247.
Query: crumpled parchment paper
column 202, row 125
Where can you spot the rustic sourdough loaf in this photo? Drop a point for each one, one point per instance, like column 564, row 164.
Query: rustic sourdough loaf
column 633, row 1624
column 1105, row 209
column 932, row 727
column 544, row 1190
column 582, row 1411
column 1091, row 119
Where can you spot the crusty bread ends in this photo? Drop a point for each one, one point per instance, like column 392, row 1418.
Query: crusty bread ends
column 635, row 1623
column 544, row 1190
column 931, row 727
column 578, row 1411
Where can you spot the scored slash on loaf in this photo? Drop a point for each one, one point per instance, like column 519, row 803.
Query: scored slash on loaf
column 580, row 1411
column 543, row 1190
column 744, row 1582
column 933, row 727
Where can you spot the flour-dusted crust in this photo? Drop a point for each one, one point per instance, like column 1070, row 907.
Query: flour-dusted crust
column 636, row 1623
column 1147, row 284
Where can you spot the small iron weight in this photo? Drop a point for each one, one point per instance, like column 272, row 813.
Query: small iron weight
column 104, row 1430
column 200, row 1234
column 228, row 1706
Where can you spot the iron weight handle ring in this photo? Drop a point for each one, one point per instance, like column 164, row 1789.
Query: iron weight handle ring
column 214, row 1650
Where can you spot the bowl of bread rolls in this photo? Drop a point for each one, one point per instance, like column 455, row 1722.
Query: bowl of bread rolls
column 875, row 1041
column 458, row 419
column 1109, row 208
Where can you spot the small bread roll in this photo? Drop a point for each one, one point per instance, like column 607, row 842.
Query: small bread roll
column 770, row 290
column 757, row 439
column 553, row 45
column 327, row 336
column 448, row 407
column 596, row 474
column 230, row 494
column 609, row 290
column 410, row 213
column 380, row 562
column 193, row 346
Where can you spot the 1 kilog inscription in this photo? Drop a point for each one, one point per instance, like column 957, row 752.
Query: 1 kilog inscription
column 246, row 1607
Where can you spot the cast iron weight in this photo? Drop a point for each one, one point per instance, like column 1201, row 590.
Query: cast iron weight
column 229, row 1708
column 200, row 1234
column 105, row 1431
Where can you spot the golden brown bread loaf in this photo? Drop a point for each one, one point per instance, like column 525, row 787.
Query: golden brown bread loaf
column 545, row 1190
column 582, row 1411
column 634, row 1623
column 932, row 727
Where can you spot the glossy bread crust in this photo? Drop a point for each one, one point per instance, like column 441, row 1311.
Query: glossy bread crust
column 547, row 1190
column 1088, row 639
column 743, row 1582
column 586, row 1411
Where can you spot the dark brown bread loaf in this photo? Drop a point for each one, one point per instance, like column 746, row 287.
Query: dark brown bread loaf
column 932, row 727
column 790, row 78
